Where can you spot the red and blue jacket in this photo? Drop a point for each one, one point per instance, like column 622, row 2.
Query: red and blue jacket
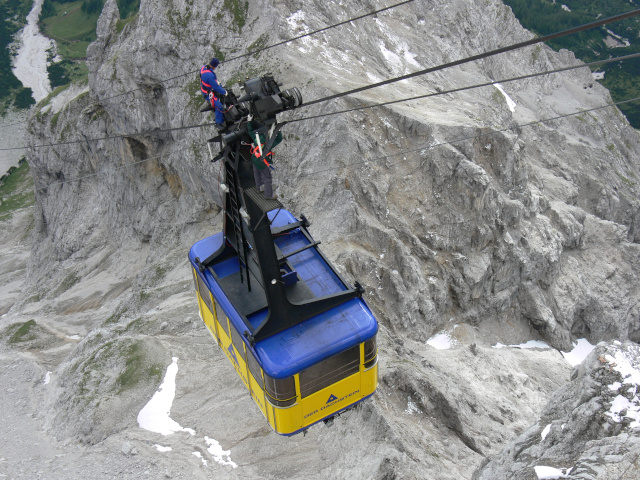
column 209, row 82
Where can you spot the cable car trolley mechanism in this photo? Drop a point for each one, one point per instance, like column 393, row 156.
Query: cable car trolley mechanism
column 302, row 341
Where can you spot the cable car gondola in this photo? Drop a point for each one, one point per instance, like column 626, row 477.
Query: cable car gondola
column 302, row 341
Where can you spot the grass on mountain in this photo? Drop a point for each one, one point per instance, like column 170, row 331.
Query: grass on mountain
column 66, row 71
column 22, row 332
column 16, row 190
column 128, row 8
column 125, row 356
column 24, row 98
column 544, row 17
column 71, row 28
column 12, row 17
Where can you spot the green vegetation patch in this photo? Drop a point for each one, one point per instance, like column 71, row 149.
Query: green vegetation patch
column 192, row 90
column 72, row 28
column 259, row 44
column 128, row 8
column 56, row 91
column 66, row 71
column 115, row 318
column 24, row 98
column 22, row 332
column 161, row 271
column 134, row 369
column 67, row 284
column 127, row 358
column 30, row 336
column 179, row 22
column 54, row 120
column 13, row 16
column 238, row 10
column 219, row 54
column 144, row 296
column 625, row 180
column 134, row 326
column 621, row 78
column 16, row 190
column 121, row 23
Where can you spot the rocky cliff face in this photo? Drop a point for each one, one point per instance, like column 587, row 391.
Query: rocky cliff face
column 457, row 213
column 588, row 429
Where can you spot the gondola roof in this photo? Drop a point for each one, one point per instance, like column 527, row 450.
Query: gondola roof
column 306, row 343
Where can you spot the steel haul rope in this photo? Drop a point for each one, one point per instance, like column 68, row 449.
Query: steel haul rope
column 434, row 94
column 480, row 56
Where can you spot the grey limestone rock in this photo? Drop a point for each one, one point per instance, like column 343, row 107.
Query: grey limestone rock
column 456, row 213
column 590, row 426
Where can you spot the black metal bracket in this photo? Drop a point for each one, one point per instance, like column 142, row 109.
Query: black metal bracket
column 264, row 261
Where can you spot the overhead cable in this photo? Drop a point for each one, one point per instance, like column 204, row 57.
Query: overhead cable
column 284, row 42
column 89, row 175
column 460, row 89
column 397, row 79
column 472, row 137
column 480, row 56
column 434, row 94
column 112, row 137
column 382, row 157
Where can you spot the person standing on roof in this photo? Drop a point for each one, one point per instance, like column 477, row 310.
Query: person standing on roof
column 211, row 89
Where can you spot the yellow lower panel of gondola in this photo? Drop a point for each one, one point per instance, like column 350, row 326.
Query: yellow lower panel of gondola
column 323, row 404
column 236, row 360
column 207, row 318
column 285, row 421
column 224, row 342
column 258, row 396
column 338, row 396
column 369, row 380
column 305, row 412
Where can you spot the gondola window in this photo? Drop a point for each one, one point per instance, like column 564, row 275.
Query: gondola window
column 329, row 371
column 281, row 392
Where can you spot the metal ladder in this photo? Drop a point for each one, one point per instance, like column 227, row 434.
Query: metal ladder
column 234, row 214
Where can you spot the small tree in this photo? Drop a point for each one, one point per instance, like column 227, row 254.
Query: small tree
column 24, row 98
column 91, row 6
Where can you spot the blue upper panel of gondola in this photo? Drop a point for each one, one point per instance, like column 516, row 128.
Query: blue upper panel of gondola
column 313, row 340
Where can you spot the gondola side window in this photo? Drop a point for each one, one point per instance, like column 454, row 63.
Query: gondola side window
column 329, row 371
column 222, row 319
column 370, row 352
column 281, row 392
column 204, row 293
column 254, row 368
column 236, row 339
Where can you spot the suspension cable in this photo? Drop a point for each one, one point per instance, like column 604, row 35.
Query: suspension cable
column 545, row 38
column 460, row 89
column 382, row 157
column 473, row 137
column 89, row 175
column 434, row 94
column 284, row 42
column 111, row 137
column 480, row 56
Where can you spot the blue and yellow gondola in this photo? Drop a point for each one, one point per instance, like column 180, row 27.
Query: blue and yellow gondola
column 305, row 373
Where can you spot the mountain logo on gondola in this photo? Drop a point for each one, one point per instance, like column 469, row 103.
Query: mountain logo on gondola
column 232, row 352
column 332, row 398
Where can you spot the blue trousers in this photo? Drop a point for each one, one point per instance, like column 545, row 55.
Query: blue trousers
column 219, row 109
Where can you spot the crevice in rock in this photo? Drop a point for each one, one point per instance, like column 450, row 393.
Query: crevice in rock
column 138, row 149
